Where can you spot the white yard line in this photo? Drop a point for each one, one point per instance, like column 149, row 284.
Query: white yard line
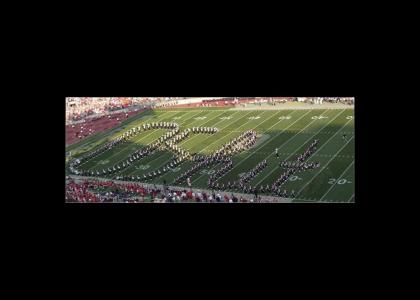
column 263, row 144
column 352, row 196
column 288, row 153
column 311, row 137
column 230, row 134
column 314, row 200
column 326, row 163
column 194, row 110
column 337, row 180
column 304, row 132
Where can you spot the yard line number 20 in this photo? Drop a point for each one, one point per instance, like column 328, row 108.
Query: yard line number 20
column 341, row 181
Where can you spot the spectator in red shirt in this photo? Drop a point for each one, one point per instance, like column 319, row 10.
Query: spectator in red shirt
column 189, row 194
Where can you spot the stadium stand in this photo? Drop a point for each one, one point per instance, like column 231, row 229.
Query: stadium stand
column 86, row 116
column 320, row 100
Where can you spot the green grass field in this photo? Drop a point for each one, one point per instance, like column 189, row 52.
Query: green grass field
column 289, row 130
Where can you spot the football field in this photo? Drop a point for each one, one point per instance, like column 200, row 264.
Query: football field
column 291, row 131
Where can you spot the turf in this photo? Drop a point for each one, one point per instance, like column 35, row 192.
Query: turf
column 291, row 131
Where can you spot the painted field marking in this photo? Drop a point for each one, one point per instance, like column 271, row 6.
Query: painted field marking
column 339, row 177
column 142, row 167
column 207, row 172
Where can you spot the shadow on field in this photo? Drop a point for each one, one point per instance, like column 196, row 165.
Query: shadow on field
column 299, row 140
column 287, row 141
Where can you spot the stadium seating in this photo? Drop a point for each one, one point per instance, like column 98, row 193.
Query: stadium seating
column 79, row 108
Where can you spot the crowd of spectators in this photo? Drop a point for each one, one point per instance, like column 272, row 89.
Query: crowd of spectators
column 320, row 100
column 274, row 100
column 231, row 101
column 78, row 108
column 95, row 191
